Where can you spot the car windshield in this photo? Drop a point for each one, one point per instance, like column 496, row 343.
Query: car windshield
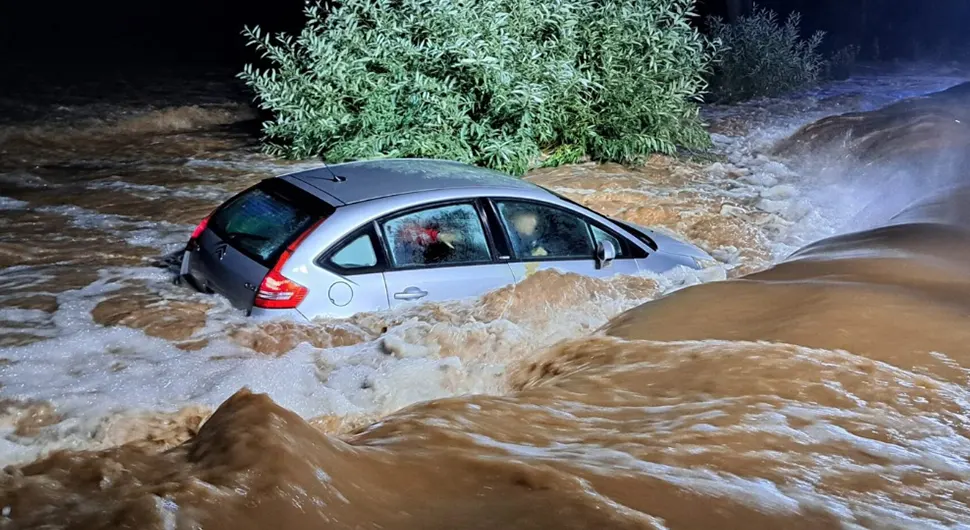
column 261, row 222
column 637, row 232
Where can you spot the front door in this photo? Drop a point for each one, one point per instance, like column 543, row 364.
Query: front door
column 438, row 253
column 547, row 237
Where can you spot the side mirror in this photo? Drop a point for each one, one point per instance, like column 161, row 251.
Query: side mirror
column 605, row 254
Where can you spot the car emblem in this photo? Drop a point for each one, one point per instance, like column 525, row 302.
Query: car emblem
column 220, row 251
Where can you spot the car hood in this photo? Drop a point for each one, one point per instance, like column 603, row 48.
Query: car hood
column 671, row 245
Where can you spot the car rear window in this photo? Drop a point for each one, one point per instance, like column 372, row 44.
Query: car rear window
column 263, row 220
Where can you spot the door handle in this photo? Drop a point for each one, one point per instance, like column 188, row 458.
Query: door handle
column 411, row 293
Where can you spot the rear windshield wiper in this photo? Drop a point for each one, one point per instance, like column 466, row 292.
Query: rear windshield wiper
column 245, row 235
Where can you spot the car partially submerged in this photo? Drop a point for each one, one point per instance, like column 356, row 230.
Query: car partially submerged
column 373, row 235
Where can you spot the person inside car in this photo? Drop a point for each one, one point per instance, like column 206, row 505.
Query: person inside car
column 525, row 223
column 426, row 242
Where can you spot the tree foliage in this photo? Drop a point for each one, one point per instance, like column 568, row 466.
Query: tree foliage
column 758, row 56
column 500, row 83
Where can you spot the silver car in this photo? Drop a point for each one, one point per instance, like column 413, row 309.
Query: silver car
column 373, row 235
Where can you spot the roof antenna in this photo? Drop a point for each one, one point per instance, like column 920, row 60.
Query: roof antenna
column 336, row 177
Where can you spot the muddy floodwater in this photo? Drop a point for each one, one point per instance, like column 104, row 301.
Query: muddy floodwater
column 815, row 377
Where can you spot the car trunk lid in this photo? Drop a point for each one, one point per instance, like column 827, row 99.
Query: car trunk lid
column 243, row 244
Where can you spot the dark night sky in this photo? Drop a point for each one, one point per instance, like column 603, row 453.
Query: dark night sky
column 55, row 36
column 59, row 34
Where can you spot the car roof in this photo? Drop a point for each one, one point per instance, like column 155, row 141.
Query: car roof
column 373, row 179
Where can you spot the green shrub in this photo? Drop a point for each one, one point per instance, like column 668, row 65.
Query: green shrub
column 760, row 57
column 500, row 83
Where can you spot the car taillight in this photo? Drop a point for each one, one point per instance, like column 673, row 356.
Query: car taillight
column 193, row 241
column 201, row 228
column 277, row 291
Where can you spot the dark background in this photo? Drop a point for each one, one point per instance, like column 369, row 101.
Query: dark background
column 85, row 40
column 142, row 34
column 904, row 29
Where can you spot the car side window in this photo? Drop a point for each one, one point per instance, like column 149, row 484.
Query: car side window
column 538, row 231
column 443, row 235
column 359, row 253
column 602, row 235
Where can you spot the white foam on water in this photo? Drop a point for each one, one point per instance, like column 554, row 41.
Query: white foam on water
column 153, row 191
column 162, row 235
column 6, row 203
column 813, row 203
column 26, row 316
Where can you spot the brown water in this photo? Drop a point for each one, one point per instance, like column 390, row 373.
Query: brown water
column 826, row 390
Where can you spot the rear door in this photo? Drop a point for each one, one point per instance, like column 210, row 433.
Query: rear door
column 440, row 252
column 350, row 276
column 247, row 235
column 544, row 236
